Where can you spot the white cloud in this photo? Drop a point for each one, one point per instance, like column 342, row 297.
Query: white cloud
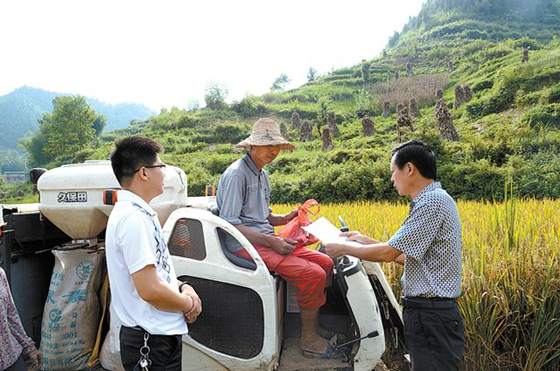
column 165, row 53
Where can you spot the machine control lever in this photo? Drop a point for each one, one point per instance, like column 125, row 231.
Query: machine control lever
column 370, row 335
column 343, row 224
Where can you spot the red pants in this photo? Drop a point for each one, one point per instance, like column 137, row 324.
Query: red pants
column 308, row 270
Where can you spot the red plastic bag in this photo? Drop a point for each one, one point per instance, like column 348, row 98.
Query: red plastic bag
column 293, row 230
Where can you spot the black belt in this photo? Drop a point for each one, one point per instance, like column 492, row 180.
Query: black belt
column 137, row 328
column 428, row 303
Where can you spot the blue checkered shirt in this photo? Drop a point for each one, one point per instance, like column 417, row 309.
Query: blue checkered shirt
column 431, row 239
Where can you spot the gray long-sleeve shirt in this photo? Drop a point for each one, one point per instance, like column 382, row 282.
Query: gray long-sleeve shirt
column 243, row 196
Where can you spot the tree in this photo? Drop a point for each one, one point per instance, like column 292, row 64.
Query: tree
column 71, row 127
column 215, row 96
column 280, row 83
column 311, row 74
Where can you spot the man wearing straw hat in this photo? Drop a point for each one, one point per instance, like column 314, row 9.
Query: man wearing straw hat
column 243, row 199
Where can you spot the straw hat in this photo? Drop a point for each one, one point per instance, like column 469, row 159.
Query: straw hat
column 266, row 132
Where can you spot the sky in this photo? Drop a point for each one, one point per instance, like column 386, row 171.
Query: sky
column 165, row 53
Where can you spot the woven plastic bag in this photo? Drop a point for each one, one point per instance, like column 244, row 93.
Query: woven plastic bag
column 293, row 230
column 72, row 309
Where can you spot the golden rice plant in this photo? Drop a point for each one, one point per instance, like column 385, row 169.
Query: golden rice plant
column 511, row 278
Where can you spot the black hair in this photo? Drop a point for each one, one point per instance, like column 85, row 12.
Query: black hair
column 131, row 153
column 419, row 154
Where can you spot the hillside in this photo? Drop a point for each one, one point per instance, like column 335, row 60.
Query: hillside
column 20, row 110
column 507, row 120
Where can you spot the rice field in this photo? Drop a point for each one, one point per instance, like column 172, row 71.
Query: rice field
column 511, row 278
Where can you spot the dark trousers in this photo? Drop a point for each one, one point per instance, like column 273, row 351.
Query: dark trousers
column 435, row 337
column 165, row 350
column 19, row 365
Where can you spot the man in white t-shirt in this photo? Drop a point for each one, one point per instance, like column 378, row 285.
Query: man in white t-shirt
column 148, row 299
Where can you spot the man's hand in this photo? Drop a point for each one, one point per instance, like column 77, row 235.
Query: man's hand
column 158, row 293
column 335, row 250
column 283, row 245
column 292, row 214
column 400, row 259
column 192, row 314
column 358, row 237
column 278, row 220
column 35, row 360
column 374, row 251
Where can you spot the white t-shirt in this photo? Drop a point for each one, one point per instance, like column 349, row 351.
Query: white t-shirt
column 133, row 241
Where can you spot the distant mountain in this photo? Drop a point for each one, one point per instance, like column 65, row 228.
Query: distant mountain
column 20, row 110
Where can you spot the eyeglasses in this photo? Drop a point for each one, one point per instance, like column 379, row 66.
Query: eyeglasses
column 151, row 167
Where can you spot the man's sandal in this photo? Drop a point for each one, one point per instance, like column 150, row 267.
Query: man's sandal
column 325, row 334
column 332, row 352
column 333, row 337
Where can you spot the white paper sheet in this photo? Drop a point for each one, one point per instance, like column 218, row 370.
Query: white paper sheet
column 325, row 231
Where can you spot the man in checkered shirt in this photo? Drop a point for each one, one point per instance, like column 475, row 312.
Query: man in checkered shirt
column 429, row 245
